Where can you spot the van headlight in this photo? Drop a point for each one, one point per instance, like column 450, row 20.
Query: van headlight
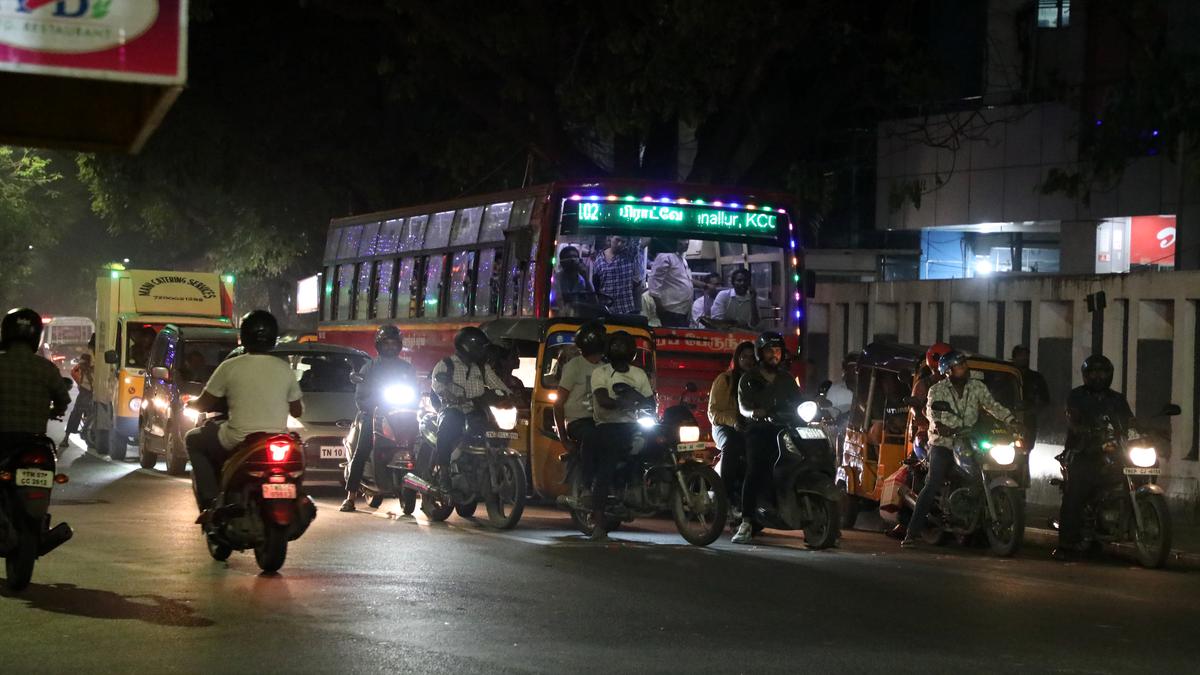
column 1143, row 456
column 1003, row 454
column 400, row 394
column 689, row 434
column 506, row 418
column 808, row 411
column 135, row 404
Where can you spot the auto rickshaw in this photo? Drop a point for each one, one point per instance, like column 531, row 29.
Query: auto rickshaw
column 879, row 432
column 544, row 346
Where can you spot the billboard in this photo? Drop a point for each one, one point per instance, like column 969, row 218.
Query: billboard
column 308, row 295
column 1152, row 241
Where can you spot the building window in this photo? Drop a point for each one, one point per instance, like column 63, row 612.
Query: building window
column 1054, row 13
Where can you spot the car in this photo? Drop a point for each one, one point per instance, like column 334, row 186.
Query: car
column 181, row 360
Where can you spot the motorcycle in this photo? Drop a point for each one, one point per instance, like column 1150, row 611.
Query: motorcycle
column 394, row 446
column 981, row 493
column 802, row 494
column 482, row 468
column 659, row 474
column 27, row 477
column 262, row 504
column 1131, row 507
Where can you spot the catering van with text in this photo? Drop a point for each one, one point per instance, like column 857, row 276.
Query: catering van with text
column 131, row 307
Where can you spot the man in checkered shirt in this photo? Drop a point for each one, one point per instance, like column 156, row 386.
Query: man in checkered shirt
column 31, row 389
column 615, row 273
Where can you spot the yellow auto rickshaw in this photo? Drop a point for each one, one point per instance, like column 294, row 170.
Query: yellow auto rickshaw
column 543, row 346
column 879, row 431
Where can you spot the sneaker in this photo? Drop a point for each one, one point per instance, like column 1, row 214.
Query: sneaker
column 744, row 534
column 599, row 534
column 912, row 542
column 348, row 506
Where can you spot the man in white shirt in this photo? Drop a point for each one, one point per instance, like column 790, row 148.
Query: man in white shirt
column 672, row 287
column 259, row 391
column 573, row 409
column 702, row 308
column 738, row 306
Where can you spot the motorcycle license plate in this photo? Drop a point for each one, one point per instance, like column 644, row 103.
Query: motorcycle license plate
column 1140, row 471
column 691, row 447
column 35, row 478
column 279, row 490
column 333, row 452
column 506, row 435
column 810, row 432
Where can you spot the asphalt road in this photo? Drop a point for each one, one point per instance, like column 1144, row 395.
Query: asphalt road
column 135, row 591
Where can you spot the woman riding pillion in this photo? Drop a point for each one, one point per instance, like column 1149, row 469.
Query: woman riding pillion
column 728, row 425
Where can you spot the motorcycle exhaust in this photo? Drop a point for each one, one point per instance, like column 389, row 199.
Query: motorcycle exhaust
column 415, row 482
column 55, row 537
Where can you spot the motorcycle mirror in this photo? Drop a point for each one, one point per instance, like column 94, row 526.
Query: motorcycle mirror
column 825, row 387
column 942, row 406
column 356, row 378
column 1170, row 410
column 110, row 357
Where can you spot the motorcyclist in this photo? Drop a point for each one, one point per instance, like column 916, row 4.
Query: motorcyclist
column 616, row 418
column 460, row 381
column 1087, row 406
column 762, row 391
column 259, row 392
column 929, row 376
column 31, row 388
column 966, row 397
column 377, row 374
column 573, row 407
column 504, row 360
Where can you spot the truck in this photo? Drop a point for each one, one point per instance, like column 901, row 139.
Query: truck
column 131, row 307
column 65, row 338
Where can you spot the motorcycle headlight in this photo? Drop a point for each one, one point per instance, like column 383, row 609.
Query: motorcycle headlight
column 1143, row 456
column 506, row 418
column 1003, row 454
column 646, row 422
column 400, row 394
column 689, row 434
column 808, row 411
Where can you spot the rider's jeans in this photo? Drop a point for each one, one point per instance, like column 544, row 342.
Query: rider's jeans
column 364, row 443
column 612, row 442
column 941, row 458
column 207, row 456
column 732, row 444
column 762, row 449
column 451, row 428
column 1085, row 476
column 583, row 432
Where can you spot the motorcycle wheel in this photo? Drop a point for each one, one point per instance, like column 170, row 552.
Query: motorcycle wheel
column 19, row 564
column 408, row 501
column 1153, row 540
column 699, row 527
column 271, row 552
column 436, row 510
column 1005, row 537
column 505, row 506
column 822, row 531
column 146, row 458
column 851, row 505
column 219, row 552
column 466, row 510
column 582, row 518
column 176, row 456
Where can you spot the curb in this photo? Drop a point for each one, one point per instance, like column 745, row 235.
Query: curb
column 1176, row 559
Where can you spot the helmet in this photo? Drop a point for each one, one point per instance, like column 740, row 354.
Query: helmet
column 949, row 360
column 767, row 339
column 471, row 344
column 934, row 356
column 621, row 348
column 1097, row 372
column 498, row 356
column 259, row 331
column 21, row 324
column 388, row 333
column 591, row 338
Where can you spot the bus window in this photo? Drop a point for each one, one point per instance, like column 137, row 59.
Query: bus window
column 460, row 283
column 494, row 221
column 434, row 266
column 369, row 243
column 362, row 292
column 528, row 298
column 327, row 293
column 389, row 236
column 466, row 226
column 384, row 283
column 437, row 231
column 521, row 211
column 414, row 233
column 345, row 289
column 349, row 244
column 487, row 284
column 331, row 244
column 404, row 289
column 516, row 271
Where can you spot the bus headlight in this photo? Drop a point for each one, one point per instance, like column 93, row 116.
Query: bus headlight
column 400, row 394
column 808, row 411
column 1003, row 454
column 135, row 404
column 1143, row 456
column 506, row 418
column 689, row 434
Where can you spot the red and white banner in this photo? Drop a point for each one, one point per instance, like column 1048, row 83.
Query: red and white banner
column 127, row 40
column 1152, row 240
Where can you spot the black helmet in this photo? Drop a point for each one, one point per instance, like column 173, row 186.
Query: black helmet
column 621, row 348
column 259, row 331
column 767, row 339
column 21, row 324
column 471, row 344
column 1097, row 372
column 388, row 333
column 949, row 360
column 591, row 338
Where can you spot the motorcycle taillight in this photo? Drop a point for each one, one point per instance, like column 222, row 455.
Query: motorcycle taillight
column 34, row 457
column 277, row 451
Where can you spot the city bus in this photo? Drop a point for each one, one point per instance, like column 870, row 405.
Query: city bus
column 434, row 268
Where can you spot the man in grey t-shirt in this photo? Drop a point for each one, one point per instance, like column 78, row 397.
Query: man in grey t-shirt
column 573, row 408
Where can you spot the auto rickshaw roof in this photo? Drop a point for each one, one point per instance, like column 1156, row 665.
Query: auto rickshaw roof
column 534, row 330
column 909, row 357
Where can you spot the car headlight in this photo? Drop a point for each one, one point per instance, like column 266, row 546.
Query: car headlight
column 400, row 394
column 1003, row 454
column 647, row 422
column 1143, row 456
column 135, row 404
column 506, row 418
column 689, row 434
column 193, row 415
column 808, row 411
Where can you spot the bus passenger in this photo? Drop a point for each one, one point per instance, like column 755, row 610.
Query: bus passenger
column 615, row 273
column 671, row 283
column 737, row 306
column 728, row 424
column 573, row 407
column 572, row 291
column 703, row 306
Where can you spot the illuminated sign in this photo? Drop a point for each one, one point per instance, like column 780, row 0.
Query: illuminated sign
column 702, row 221
column 308, row 297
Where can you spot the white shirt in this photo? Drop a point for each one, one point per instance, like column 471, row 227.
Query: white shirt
column 258, row 389
column 698, row 309
column 733, row 307
column 605, row 377
column 650, row 311
column 577, row 379
column 671, row 282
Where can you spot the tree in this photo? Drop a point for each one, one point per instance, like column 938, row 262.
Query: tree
column 29, row 217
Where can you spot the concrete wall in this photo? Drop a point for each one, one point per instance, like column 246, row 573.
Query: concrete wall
column 1148, row 330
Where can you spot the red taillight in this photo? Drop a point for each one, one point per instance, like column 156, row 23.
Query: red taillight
column 278, row 450
column 34, row 457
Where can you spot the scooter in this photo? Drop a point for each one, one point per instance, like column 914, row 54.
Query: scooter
column 394, row 444
column 27, row 477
